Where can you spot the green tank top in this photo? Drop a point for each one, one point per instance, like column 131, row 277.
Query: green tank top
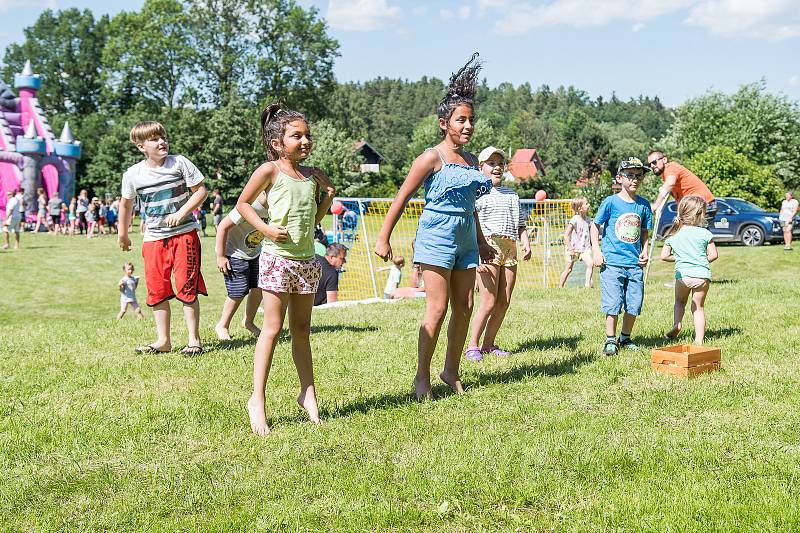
column 292, row 204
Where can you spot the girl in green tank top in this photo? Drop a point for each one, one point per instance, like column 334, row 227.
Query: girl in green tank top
column 298, row 198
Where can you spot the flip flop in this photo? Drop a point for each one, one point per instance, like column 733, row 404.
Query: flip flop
column 147, row 350
column 192, row 351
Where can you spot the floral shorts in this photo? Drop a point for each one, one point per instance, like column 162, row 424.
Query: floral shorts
column 281, row 274
column 505, row 251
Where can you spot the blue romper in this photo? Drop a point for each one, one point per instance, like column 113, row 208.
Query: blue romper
column 446, row 234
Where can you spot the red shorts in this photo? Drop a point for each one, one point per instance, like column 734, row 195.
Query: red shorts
column 177, row 256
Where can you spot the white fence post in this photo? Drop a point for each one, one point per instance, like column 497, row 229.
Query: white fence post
column 369, row 252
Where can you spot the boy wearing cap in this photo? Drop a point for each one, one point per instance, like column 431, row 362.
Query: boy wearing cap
column 626, row 220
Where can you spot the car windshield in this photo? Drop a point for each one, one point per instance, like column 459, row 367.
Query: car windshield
column 743, row 206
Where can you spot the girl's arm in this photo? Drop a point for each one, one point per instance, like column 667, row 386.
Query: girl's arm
column 597, row 254
column 260, row 181
column 666, row 254
column 485, row 250
column 223, row 264
column 323, row 204
column 567, row 234
column 711, row 252
column 423, row 166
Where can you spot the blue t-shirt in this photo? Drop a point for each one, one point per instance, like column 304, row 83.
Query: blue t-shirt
column 625, row 220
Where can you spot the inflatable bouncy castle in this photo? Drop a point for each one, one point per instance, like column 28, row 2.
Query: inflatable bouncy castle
column 30, row 155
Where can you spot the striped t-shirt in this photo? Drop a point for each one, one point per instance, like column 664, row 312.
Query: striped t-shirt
column 162, row 191
column 499, row 213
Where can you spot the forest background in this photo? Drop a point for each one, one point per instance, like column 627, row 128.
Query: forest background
column 205, row 68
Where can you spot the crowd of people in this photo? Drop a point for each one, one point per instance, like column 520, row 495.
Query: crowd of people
column 468, row 237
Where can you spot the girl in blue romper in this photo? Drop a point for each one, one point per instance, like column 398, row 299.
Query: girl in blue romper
column 449, row 242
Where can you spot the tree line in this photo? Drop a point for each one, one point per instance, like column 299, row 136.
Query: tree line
column 205, row 68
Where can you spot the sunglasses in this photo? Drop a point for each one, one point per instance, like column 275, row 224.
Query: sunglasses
column 654, row 161
column 633, row 177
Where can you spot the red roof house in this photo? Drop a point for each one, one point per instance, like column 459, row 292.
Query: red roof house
column 526, row 164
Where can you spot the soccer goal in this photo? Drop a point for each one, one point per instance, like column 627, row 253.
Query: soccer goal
column 357, row 227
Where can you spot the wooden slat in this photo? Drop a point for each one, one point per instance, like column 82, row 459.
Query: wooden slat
column 685, row 372
column 685, row 356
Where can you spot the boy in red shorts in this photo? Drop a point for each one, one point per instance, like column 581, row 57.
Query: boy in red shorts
column 169, row 188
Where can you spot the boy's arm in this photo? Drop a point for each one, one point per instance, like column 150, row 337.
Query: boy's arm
column 644, row 255
column 485, row 250
column 597, row 254
column 197, row 198
column 223, row 264
column 125, row 208
column 567, row 234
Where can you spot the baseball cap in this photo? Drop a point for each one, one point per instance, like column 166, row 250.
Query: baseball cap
column 631, row 162
column 487, row 152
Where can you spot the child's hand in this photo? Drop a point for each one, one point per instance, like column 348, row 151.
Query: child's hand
column 483, row 267
column 124, row 243
column 526, row 252
column 277, row 233
column 486, row 252
column 173, row 220
column 324, row 181
column 223, row 264
column 383, row 250
column 643, row 258
column 598, row 259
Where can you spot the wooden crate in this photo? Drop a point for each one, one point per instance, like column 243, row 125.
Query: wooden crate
column 686, row 360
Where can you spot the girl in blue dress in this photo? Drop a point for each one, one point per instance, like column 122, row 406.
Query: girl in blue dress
column 449, row 242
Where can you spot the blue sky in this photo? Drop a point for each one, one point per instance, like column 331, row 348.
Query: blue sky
column 675, row 49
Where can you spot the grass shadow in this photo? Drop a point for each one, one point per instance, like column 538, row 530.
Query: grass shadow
column 250, row 340
column 686, row 335
column 570, row 343
column 441, row 390
column 724, row 281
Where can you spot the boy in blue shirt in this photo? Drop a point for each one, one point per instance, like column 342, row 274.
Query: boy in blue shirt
column 626, row 220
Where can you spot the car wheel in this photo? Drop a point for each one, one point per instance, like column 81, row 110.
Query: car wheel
column 752, row 236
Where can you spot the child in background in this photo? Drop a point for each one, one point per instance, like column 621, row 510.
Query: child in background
column 688, row 244
column 578, row 242
column 91, row 219
column 238, row 247
column 41, row 214
column 102, row 215
column 127, row 288
column 626, row 220
column 169, row 188
column 502, row 221
column 289, row 272
column 449, row 243
column 395, row 275
column 73, row 217
column 111, row 215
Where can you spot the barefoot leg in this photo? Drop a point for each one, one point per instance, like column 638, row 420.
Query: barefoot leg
column 699, row 312
column 253, row 303
column 462, row 283
column 222, row 329
column 162, row 314
column 274, row 312
column 300, row 306
column 487, row 288
column 437, row 287
column 681, row 296
column 507, row 278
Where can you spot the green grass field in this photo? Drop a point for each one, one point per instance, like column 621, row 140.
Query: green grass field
column 554, row 438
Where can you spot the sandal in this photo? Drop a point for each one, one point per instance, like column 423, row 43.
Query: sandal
column 191, row 351
column 147, row 350
column 474, row 354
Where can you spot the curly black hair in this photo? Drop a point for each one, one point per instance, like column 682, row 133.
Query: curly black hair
column 274, row 119
column 460, row 90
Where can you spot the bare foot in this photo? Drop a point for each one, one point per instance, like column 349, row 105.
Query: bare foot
column 222, row 333
column 671, row 334
column 252, row 328
column 258, row 418
column 308, row 401
column 422, row 389
column 453, row 381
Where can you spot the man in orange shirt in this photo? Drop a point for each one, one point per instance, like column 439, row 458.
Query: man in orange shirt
column 679, row 181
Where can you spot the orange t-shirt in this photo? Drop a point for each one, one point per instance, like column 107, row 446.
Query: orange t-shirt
column 687, row 184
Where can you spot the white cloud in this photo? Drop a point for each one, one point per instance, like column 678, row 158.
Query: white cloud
column 360, row 15
column 447, row 13
column 794, row 81
column 639, row 26
column 419, row 11
column 774, row 20
column 8, row 5
column 585, row 13
column 763, row 19
column 464, row 12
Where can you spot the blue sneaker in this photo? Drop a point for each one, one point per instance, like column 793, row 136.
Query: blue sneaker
column 628, row 344
column 610, row 348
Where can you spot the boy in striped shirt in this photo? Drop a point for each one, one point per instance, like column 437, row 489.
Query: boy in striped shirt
column 169, row 188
